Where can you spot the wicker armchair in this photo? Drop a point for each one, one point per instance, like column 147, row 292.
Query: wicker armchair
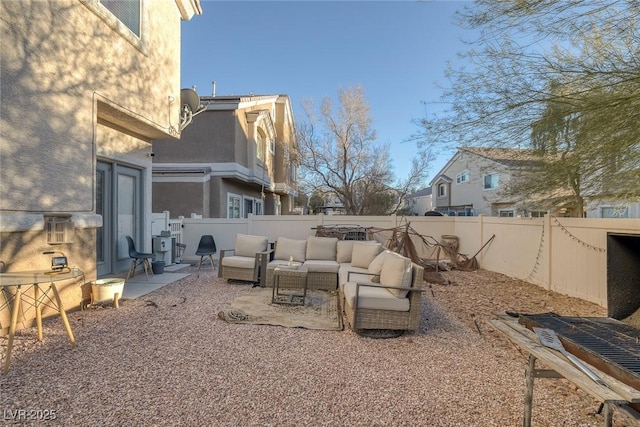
column 247, row 261
column 360, row 318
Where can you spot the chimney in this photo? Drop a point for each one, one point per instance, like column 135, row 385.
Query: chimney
column 213, row 88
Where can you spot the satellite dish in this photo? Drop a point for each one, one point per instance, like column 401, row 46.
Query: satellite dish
column 190, row 106
column 190, row 97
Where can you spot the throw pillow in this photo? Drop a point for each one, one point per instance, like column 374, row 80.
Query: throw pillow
column 396, row 271
column 364, row 253
column 375, row 267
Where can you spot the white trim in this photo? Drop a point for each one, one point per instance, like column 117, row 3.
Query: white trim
column 223, row 170
column 10, row 222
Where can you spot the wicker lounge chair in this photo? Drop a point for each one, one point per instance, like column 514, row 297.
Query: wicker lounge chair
column 247, row 260
column 366, row 318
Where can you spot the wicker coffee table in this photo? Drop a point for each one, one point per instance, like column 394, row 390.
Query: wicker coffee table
column 285, row 277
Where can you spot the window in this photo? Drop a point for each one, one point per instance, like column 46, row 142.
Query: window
column 504, row 213
column 442, row 190
column 258, row 207
column 614, row 212
column 294, row 172
column 260, row 140
column 537, row 214
column 127, row 11
column 462, row 177
column 491, row 181
column 234, row 203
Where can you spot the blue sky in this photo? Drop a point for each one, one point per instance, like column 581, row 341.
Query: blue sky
column 396, row 50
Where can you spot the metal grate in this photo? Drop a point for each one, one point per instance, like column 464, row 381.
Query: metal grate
column 608, row 344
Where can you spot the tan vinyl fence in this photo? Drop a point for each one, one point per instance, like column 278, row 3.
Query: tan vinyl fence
column 566, row 255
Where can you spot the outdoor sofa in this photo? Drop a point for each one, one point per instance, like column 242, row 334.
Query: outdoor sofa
column 379, row 289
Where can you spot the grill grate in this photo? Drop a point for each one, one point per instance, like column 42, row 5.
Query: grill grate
column 608, row 344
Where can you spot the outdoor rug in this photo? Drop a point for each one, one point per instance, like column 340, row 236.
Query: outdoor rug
column 255, row 307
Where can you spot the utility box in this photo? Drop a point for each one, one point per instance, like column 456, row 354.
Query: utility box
column 162, row 249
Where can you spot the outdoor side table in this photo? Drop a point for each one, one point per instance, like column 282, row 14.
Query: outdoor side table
column 287, row 277
column 42, row 282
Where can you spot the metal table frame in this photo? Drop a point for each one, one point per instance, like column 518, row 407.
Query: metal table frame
column 37, row 279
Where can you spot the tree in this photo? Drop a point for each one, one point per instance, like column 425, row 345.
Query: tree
column 340, row 155
column 559, row 76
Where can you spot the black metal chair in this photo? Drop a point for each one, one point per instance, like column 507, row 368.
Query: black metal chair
column 206, row 247
column 138, row 258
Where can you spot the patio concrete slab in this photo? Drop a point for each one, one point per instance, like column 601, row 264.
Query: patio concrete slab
column 138, row 285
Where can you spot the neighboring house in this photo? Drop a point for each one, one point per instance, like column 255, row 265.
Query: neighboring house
column 613, row 209
column 87, row 86
column 420, row 202
column 238, row 157
column 471, row 183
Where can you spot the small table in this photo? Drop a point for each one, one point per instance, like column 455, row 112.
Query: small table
column 23, row 281
column 289, row 277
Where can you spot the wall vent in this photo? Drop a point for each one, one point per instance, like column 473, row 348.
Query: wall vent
column 59, row 230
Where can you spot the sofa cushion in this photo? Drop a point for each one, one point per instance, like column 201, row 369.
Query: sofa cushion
column 248, row 245
column 239, row 261
column 375, row 267
column 344, row 248
column 344, row 276
column 396, row 271
column 374, row 298
column 321, row 266
column 364, row 253
column 290, row 248
column 321, row 248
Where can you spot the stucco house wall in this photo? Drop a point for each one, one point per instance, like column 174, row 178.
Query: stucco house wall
column 78, row 87
column 220, row 149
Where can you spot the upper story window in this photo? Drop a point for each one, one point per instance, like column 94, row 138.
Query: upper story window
column 442, row 190
column 462, row 177
column 260, row 141
column 127, row 11
column 491, row 181
column 294, row 172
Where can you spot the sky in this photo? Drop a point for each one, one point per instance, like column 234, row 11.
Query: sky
column 396, row 50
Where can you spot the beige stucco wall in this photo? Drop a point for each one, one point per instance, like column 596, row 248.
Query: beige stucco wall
column 473, row 191
column 77, row 86
column 51, row 82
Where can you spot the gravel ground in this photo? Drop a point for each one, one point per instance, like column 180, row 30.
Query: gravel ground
column 166, row 359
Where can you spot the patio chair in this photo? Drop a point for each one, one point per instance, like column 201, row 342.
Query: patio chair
column 206, row 248
column 370, row 307
column 247, row 261
column 139, row 258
